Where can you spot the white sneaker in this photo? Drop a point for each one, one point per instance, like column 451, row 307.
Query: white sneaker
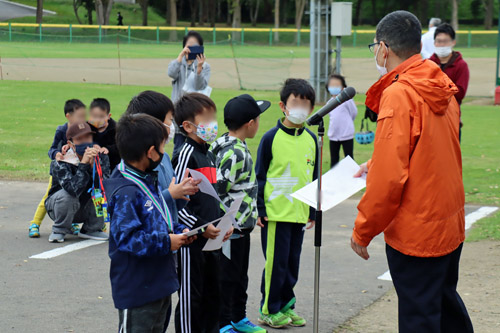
column 95, row 235
column 56, row 238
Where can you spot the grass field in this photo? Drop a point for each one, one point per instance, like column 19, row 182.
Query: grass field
column 30, row 112
column 170, row 51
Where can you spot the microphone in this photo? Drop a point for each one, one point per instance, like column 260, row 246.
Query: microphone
column 345, row 95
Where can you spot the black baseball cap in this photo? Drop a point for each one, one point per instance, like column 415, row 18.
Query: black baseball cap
column 243, row 108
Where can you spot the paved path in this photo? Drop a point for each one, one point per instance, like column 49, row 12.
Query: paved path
column 71, row 292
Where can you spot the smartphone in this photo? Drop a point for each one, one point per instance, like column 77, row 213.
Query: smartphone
column 195, row 50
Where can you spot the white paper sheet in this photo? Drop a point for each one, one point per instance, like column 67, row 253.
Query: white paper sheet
column 195, row 230
column 205, row 186
column 338, row 185
column 224, row 225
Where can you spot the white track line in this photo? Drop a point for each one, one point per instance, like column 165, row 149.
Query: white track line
column 66, row 249
column 470, row 219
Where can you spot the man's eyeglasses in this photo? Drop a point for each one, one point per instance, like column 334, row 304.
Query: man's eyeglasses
column 371, row 46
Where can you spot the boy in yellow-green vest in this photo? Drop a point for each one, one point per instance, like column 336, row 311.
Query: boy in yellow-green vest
column 286, row 162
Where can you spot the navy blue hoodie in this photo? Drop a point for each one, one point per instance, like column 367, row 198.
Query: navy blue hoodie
column 142, row 264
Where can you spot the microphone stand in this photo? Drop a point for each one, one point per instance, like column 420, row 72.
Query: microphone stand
column 317, row 228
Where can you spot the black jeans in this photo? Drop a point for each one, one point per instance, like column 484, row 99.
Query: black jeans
column 427, row 293
column 147, row 318
column 347, row 146
column 234, row 278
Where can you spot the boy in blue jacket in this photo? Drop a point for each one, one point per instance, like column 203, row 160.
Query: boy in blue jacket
column 161, row 107
column 143, row 235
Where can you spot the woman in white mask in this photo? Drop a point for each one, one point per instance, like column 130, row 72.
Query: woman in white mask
column 450, row 61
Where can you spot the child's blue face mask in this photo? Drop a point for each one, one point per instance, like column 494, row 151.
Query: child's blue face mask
column 80, row 149
column 334, row 90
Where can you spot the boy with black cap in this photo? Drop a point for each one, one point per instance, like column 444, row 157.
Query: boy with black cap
column 69, row 198
column 236, row 178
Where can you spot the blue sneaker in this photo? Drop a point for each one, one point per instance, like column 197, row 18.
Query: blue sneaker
column 75, row 229
column 34, row 231
column 227, row 329
column 246, row 326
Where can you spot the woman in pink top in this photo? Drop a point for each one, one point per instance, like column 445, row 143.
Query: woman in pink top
column 341, row 129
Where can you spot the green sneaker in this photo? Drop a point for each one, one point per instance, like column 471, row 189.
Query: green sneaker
column 295, row 319
column 275, row 320
column 246, row 326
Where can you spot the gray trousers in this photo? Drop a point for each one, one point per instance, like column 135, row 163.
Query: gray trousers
column 65, row 209
column 149, row 318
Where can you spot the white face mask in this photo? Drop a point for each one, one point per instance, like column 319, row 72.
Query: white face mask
column 381, row 69
column 171, row 132
column 443, row 51
column 297, row 115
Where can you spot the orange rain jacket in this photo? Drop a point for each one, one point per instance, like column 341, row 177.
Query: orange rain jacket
column 414, row 188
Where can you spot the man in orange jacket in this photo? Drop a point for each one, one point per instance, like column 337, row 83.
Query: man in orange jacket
column 414, row 189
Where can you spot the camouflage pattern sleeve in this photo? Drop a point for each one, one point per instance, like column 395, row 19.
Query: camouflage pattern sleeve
column 73, row 179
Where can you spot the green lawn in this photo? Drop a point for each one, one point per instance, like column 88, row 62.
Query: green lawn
column 222, row 50
column 30, row 112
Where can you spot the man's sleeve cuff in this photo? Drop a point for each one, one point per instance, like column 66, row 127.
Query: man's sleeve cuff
column 363, row 241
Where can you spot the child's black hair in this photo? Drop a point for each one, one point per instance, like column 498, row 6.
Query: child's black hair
column 194, row 34
column 101, row 103
column 152, row 103
column 190, row 105
column 71, row 105
column 297, row 87
column 136, row 133
column 338, row 77
column 445, row 28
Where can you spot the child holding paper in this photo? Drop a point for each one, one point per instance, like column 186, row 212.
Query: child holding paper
column 199, row 299
column 143, row 236
column 236, row 179
column 286, row 162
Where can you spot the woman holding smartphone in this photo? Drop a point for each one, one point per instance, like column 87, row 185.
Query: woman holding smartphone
column 190, row 73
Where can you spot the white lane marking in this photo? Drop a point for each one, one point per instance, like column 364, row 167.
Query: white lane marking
column 66, row 249
column 470, row 219
column 476, row 215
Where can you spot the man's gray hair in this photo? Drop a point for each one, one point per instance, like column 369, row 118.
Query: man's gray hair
column 434, row 22
column 402, row 32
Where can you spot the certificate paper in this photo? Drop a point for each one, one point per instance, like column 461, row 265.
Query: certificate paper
column 338, row 185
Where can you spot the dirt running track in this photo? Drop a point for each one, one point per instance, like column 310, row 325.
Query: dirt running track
column 255, row 73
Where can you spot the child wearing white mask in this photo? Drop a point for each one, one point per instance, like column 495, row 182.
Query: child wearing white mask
column 341, row 129
column 286, row 162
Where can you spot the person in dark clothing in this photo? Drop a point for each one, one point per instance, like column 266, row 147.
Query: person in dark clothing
column 104, row 128
column 143, row 235
column 199, row 299
column 451, row 62
column 69, row 199
column 74, row 111
column 120, row 19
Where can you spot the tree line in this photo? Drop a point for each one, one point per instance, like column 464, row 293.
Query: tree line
column 284, row 13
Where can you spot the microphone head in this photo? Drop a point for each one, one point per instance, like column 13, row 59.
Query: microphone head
column 349, row 92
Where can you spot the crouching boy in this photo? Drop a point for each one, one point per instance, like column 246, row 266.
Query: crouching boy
column 143, row 236
column 69, row 199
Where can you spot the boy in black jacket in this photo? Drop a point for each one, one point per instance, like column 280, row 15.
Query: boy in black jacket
column 198, row 307
column 69, row 199
column 104, row 128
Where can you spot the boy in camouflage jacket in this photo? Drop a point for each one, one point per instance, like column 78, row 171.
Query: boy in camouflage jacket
column 236, row 178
